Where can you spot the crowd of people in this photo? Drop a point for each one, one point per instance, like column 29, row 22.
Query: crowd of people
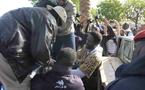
column 50, row 40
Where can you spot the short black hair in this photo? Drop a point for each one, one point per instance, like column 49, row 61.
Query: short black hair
column 125, row 26
column 78, row 15
column 66, row 56
column 96, row 17
column 97, row 37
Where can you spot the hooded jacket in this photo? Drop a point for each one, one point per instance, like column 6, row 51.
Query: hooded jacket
column 130, row 76
column 59, row 78
column 25, row 37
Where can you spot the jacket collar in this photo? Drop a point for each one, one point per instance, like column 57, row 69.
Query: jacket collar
column 61, row 69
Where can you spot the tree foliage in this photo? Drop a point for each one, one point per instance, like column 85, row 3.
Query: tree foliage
column 144, row 16
column 93, row 11
column 135, row 10
column 111, row 9
column 77, row 3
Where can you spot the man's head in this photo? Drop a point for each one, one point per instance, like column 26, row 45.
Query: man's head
column 61, row 2
column 93, row 39
column 139, row 40
column 66, row 56
column 125, row 26
column 96, row 17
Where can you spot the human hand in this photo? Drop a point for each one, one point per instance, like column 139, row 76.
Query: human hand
column 51, row 61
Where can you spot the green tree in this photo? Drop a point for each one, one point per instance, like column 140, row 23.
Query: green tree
column 77, row 3
column 144, row 16
column 135, row 10
column 93, row 11
column 111, row 9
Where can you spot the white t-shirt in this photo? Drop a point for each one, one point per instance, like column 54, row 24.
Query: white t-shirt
column 111, row 46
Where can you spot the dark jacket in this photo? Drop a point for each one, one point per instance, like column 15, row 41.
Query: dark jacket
column 57, row 79
column 25, row 36
column 130, row 76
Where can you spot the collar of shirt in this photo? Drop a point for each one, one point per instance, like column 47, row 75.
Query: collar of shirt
column 92, row 50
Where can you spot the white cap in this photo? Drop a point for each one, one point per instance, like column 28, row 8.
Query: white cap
column 61, row 12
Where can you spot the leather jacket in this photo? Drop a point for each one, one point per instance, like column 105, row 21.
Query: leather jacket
column 25, row 37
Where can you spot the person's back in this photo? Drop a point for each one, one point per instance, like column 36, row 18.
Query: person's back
column 25, row 38
column 59, row 78
column 56, row 81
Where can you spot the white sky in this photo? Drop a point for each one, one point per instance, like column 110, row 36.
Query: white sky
column 94, row 2
column 6, row 5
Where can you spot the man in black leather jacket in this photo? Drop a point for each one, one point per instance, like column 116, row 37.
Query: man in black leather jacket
column 25, row 38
